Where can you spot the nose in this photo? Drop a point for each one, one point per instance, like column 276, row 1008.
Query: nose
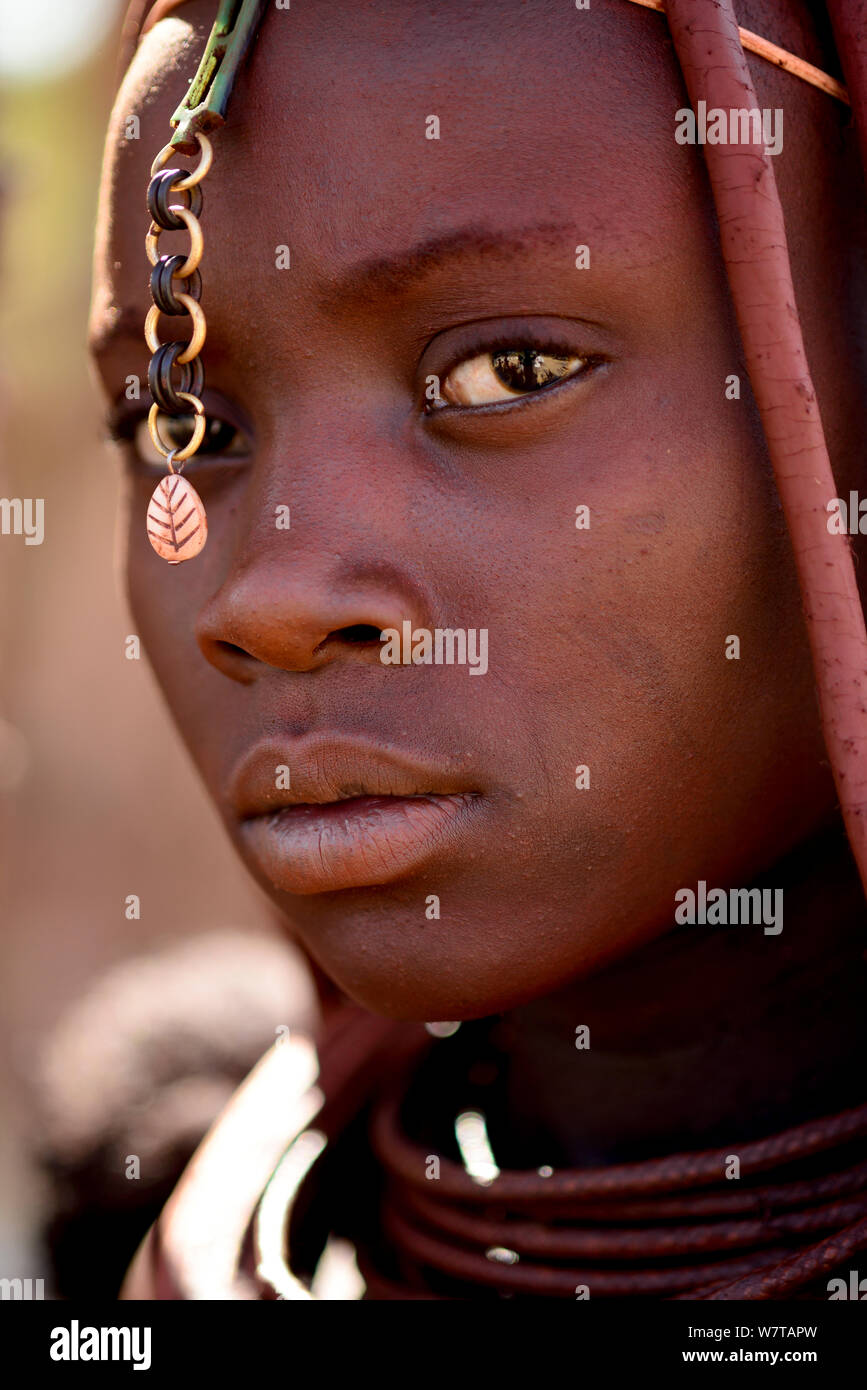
column 298, row 600
column 278, row 616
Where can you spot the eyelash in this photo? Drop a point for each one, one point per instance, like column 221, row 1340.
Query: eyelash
column 499, row 343
column 122, row 430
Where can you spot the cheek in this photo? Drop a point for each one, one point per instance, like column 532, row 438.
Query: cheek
column 175, row 594
column 165, row 601
column 659, row 652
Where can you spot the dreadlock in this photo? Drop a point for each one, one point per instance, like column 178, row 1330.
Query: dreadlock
column 755, row 250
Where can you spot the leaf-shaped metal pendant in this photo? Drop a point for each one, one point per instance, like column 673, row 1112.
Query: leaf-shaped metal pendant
column 177, row 525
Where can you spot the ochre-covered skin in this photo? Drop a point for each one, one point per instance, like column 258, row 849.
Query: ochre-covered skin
column 607, row 645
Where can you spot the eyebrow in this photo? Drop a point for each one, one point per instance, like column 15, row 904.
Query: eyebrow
column 388, row 274
column 393, row 274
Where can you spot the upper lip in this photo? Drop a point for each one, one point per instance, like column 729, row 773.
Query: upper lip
column 323, row 770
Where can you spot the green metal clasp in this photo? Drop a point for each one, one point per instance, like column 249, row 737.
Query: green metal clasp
column 205, row 104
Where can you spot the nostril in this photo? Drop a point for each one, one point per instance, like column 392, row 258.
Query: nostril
column 358, row 633
column 232, row 660
column 353, row 635
column 230, row 649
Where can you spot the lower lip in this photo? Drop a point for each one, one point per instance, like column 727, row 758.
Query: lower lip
column 357, row 843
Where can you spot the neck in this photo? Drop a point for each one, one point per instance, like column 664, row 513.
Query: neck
column 706, row 1037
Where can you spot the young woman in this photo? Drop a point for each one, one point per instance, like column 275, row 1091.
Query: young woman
column 484, row 356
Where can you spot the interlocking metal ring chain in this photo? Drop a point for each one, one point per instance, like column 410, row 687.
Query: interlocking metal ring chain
column 176, row 288
column 176, row 517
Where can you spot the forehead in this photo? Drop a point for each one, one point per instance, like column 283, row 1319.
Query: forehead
column 563, row 117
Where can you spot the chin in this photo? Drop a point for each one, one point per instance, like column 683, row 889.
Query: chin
column 390, row 975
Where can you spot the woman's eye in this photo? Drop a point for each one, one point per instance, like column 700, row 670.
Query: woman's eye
column 222, row 439
column 504, row 374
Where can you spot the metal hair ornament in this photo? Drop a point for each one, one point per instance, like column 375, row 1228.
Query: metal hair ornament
column 176, row 521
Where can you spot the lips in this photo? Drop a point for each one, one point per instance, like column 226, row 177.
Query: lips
column 353, row 815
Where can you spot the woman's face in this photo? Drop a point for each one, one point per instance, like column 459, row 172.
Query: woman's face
column 440, row 861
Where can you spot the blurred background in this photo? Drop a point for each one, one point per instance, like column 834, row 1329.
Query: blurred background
column 114, row 1031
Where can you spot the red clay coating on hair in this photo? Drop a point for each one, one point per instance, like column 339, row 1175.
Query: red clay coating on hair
column 755, row 250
